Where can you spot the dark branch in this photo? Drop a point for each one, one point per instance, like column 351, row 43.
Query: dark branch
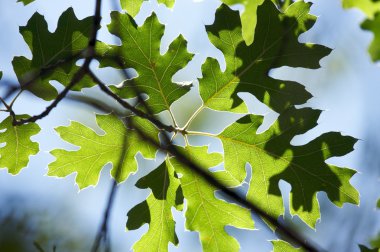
column 77, row 77
column 85, row 68
column 128, row 106
column 286, row 231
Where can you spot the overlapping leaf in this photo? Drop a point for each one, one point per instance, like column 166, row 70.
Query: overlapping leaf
column 119, row 146
column 371, row 8
column 70, row 38
column 273, row 158
column 206, row 214
column 272, row 38
column 374, row 26
column 249, row 15
column 281, row 246
column 247, row 67
column 133, row 7
column 18, row 146
column 156, row 210
column 140, row 49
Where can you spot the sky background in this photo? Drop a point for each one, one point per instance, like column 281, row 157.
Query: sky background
column 346, row 88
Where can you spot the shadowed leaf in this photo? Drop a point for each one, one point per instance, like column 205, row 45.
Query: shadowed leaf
column 70, row 38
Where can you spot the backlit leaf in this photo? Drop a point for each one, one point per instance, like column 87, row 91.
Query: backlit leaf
column 374, row 26
column 140, row 49
column 118, row 146
column 273, row 158
column 281, row 246
column 70, row 38
column 371, row 9
column 133, row 6
column 275, row 45
column 156, row 210
column 205, row 213
column 18, row 146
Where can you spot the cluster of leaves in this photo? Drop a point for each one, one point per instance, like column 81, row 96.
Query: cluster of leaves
column 264, row 37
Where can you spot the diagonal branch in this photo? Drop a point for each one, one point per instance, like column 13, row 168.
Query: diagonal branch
column 288, row 232
column 283, row 229
column 77, row 77
column 84, row 69
column 126, row 105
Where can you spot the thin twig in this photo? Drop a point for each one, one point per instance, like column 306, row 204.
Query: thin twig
column 90, row 52
column 38, row 246
column 77, row 77
column 286, row 231
column 103, row 230
column 11, row 88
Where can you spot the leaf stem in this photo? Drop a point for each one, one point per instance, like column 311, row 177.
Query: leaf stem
column 14, row 99
column 199, row 133
column 196, row 113
column 173, row 118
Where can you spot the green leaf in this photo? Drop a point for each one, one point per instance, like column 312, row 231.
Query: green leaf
column 205, row 213
column 374, row 26
column 14, row 156
column 70, row 38
column 168, row 3
column 25, row 2
column 133, row 7
column 140, row 49
column 366, row 249
column 282, row 246
column 156, row 210
column 369, row 7
column 118, row 146
column 273, row 158
column 275, row 45
column 248, row 17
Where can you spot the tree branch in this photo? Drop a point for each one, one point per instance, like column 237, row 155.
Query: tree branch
column 126, row 105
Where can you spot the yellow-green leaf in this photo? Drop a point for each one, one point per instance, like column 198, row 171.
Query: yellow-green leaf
column 118, row 146
column 140, row 49
column 205, row 213
column 274, row 158
column 18, row 146
column 156, row 210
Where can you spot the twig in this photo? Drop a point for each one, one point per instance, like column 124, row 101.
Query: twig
column 90, row 52
column 96, row 104
column 285, row 230
column 128, row 106
column 38, row 246
column 103, row 230
column 77, row 77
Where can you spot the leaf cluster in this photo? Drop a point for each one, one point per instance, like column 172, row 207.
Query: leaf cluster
column 263, row 38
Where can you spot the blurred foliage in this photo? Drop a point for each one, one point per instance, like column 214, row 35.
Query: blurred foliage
column 26, row 227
